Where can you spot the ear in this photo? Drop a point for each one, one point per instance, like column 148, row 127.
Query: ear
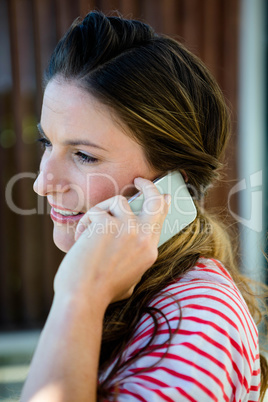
column 184, row 174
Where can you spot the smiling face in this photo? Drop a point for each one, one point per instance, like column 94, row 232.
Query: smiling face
column 87, row 159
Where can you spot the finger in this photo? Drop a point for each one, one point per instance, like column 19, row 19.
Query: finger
column 81, row 226
column 156, row 223
column 155, row 206
column 167, row 198
column 118, row 206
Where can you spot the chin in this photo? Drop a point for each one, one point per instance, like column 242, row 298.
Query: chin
column 63, row 240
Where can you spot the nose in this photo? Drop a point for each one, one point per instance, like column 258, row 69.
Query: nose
column 51, row 179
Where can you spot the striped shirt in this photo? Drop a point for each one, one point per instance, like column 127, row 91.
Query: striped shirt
column 213, row 355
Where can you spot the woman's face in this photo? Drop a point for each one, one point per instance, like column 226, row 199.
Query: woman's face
column 87, row 159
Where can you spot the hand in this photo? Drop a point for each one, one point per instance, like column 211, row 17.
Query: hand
column 115, row 248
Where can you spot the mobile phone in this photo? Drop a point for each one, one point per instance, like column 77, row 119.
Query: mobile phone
column 182, row 210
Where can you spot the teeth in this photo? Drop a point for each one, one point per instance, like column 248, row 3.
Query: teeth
column 65, row 213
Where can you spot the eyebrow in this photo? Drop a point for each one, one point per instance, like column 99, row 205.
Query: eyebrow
column 72, row 142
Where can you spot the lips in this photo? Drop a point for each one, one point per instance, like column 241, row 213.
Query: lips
column 63, row 215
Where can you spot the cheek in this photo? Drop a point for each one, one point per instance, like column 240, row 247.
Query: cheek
column 99, row 187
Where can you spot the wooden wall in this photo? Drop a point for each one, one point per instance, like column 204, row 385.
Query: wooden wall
column 29, row 30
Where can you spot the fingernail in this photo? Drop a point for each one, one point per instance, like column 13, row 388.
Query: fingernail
column 135, row 183
column 167, row 198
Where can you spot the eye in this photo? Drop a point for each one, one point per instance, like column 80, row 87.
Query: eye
column 45, row 143
column 84, row 158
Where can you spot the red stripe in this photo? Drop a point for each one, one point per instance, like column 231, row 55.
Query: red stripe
column 187, row 378
column 255, row 388
column 223, row 269
column 195, row 284
column 150, row 331
column 137, row 396
column 214, row 311
column 246, row 321
column 148, row 317
column 151, row 379
column 248, row 318
column 238, row 304
column 189, row 345
column 218, row 346
column 224, row 272
column 195, row 319
column 160, row 393
column 185, row 394
column 200, row 265
column 163, row 396
column 150, row 327
column 222, row 314
column 229, row 291
column 209, row 269
column 192, row 364
column 217, row 328
column 201, row 279
column 245, row 384
column 143, row 335
column 211, row 358
column 156, row 382
column 242, row 351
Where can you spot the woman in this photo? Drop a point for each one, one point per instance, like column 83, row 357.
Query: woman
column 123, row 106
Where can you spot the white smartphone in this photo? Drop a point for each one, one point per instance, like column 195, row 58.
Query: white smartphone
column 182, row 210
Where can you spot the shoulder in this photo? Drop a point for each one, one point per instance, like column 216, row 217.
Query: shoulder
column 213, row 350
column 206, row 296
column 206, row 290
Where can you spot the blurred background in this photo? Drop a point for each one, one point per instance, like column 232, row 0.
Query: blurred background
column 230, row 36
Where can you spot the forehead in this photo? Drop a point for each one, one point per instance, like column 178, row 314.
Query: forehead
column 68, row 112
column 65, row 100
column 73, row 111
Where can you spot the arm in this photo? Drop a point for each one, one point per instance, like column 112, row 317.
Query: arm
column 65, row 363
column 98, row 270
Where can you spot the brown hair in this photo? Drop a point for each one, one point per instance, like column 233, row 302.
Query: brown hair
column 173, row 107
